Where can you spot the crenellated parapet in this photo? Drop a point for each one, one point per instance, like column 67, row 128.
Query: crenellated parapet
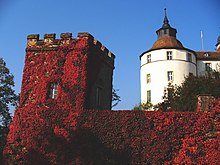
column 50, row 42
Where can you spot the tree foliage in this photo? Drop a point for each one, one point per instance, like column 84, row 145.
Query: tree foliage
column 7, row 98
column 184, row 96
column 143, row 106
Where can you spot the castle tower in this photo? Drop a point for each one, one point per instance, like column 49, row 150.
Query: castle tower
column 67, row 72
column 166, row 62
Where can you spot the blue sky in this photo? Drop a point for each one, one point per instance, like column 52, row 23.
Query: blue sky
column 125, row 27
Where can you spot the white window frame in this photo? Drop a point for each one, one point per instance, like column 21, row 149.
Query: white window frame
column 170, row 75
column 149, row 96
column 169, row 55
column 53, row 90
column 148, row 77
column 149, row 58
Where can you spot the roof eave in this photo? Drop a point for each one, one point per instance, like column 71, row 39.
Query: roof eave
column 167, row 48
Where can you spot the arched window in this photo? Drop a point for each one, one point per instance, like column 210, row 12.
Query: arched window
column 53, row 90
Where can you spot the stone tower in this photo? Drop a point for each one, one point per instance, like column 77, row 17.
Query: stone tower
column 67, row 72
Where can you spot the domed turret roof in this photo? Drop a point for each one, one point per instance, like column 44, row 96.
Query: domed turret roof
column 166, row 38
column 167, row 42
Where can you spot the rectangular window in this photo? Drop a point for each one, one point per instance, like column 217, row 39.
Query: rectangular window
column 149, row 96
column 53, row 90
column 165, row 31
column 148, row 58
column 208, row 66
column 170, row 75
column 169, row 55
column 98, row 96
column 148, row 78
column 189, row 57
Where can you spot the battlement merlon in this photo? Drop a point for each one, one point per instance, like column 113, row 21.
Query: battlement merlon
column 33, row 41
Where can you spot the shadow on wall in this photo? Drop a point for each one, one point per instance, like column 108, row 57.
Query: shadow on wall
column 66, row 136
column 56, row 136
column 85, row 148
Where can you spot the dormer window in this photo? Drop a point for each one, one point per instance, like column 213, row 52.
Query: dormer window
column 169, row 55
column 53, row 90
column 206, row 54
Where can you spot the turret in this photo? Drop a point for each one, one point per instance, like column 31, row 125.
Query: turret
column 167, row 61
column 166, row 29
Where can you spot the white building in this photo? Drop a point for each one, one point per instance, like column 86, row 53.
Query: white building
column 169, row 61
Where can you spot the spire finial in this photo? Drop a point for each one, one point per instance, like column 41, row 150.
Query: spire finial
column 166, row 29
column 165, row 21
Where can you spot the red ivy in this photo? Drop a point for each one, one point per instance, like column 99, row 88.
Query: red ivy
column 60, row 131
column 65, row 64
column 65, row 136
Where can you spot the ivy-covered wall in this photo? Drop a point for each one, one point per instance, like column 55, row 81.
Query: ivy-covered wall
column 61, row 131
column 77, row 65
column 55, row 135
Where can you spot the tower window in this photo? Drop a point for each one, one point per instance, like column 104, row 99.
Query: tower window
column 148, row 58
column 149, row 96
column 148, row 78
column 169, row 55
column 53, row 90
column 208, row 66
column 170, row 75
column 98, row 96
column 189, row 57
column 165, row 31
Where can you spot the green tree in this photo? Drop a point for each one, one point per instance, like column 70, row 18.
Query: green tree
column 7, row 98
column 184, row 97
column 143, row 106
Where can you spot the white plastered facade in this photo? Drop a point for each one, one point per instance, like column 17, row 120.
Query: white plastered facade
column 158, row 70
column 201, row 65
